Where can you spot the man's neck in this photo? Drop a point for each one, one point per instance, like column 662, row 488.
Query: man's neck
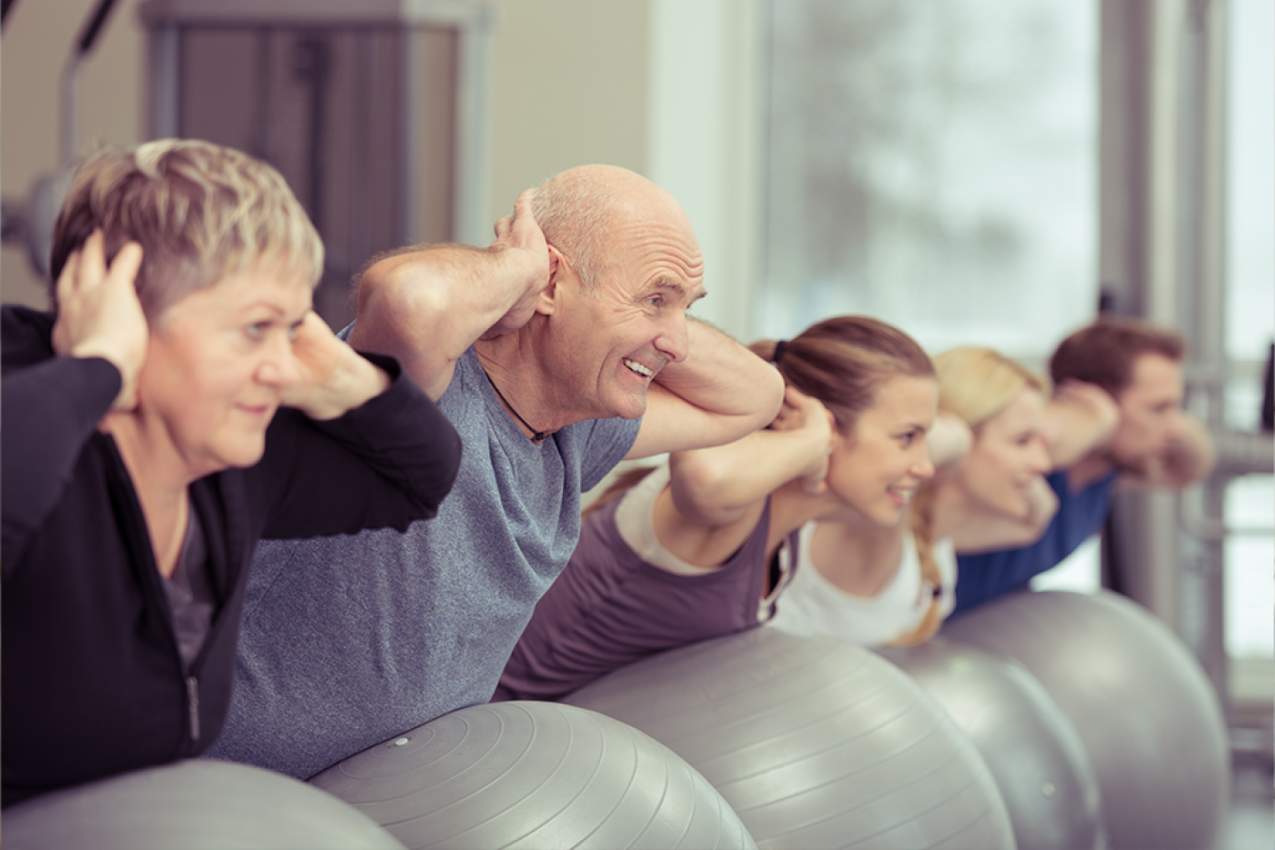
column 520, row 384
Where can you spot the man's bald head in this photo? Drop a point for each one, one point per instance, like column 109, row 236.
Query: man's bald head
column 581, row 209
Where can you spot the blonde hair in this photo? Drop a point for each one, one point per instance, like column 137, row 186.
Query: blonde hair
column 975, row 384
column 200, row 211
column 978, row 383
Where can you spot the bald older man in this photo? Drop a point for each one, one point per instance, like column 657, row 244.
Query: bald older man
column 556, row 352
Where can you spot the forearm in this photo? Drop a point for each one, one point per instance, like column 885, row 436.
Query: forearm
column 715, row 485
column 1191, row 457
column 354, row 381
column 990, row 533
column 50, row 412
column 1078, row 424
column 386, row 463
column 718, row 394
column 948, row 441
column 725, row 379
column 427, row 305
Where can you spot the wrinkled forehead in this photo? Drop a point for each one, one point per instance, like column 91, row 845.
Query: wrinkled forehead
column 660, row 250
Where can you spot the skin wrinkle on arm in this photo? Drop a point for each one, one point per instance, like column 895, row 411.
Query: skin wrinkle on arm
column 716, row 485
column 718, row 394
column 428, row 304
column 716, row 495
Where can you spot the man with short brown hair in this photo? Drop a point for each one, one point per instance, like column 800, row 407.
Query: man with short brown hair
column 1118, row 388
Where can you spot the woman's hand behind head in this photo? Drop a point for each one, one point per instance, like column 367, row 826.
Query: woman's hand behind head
column 807, row 414
column 333, row 377
column 99, row 314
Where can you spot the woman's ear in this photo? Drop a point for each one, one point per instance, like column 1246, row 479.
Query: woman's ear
column 838, row 439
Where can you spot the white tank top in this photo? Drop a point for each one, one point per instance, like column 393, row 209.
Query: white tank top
column 812, row 605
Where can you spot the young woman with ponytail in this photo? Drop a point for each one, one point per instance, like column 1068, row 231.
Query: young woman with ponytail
column 701, row 547
column 991, row 496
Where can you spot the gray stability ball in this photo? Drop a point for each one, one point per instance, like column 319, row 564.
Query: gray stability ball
column 192, row 805
column 1149, row 719
column 814, row 742
column 1033, row 750
column 534, row 775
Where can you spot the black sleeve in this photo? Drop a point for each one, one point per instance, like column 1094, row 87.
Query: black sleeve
column 48, row 411
column 387, row 463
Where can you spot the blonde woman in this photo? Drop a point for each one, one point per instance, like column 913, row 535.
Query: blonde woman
column 988, row 493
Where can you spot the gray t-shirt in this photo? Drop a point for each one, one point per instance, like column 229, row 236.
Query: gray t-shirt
column 347, row 641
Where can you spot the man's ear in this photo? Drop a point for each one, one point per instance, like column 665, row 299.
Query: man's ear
column 559, row 275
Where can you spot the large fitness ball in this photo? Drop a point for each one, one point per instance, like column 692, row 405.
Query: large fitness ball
column 534, row 775
column 1033, row 750
column 1148, row 716
column 192, row 805
column 814, row 742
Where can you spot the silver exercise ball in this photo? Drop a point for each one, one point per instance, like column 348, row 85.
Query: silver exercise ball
column 1147, row 715
column 192, row 805
column 534, row 775
column 1033, row 750
column 814, row 742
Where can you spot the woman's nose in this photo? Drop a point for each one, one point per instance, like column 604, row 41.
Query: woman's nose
column 279, row 368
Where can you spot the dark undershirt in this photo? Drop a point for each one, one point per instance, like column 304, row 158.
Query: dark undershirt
column 190, row 594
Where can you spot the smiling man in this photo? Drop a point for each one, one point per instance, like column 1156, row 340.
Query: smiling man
column 558, row 351
column 1119, row 392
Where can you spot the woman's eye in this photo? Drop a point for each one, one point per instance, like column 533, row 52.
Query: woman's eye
column 258, row 329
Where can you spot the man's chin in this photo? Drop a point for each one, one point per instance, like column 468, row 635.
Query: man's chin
column 631, row 408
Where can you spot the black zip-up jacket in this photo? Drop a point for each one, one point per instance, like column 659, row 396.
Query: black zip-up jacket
column 93, row 682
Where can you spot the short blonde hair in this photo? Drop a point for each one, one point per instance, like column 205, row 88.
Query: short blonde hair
column 201, row 212
column 978, row 383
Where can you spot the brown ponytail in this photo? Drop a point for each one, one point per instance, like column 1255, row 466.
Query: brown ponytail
column 921, row 520
column 843, row 361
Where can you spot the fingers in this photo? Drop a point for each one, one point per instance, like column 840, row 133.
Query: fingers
column 126, row 264
column 67, row 280
column 92, row 267
column 521, row 214
column 503, row 226
column 522, row 206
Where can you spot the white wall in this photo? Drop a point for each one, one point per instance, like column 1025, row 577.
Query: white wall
column 664, row 87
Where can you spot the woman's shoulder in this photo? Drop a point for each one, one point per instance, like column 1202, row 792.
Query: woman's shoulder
column 26, row 335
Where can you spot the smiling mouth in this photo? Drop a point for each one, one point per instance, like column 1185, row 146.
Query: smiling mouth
column 639, row 368
column 903, row 495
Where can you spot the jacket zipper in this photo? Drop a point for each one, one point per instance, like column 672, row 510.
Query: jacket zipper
column 192, row 703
